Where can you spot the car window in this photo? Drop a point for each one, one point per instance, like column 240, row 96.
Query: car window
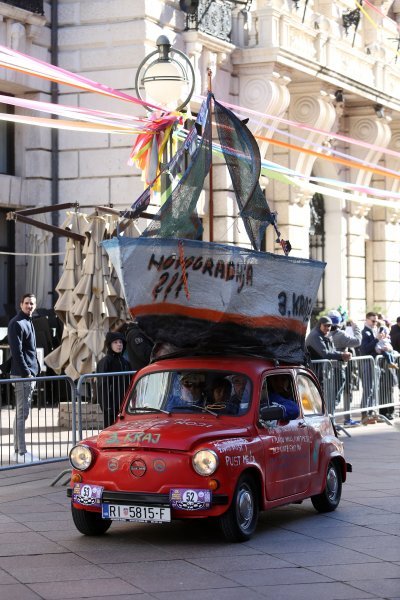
column 220, row 392
column 278, row 389
column 310, row 397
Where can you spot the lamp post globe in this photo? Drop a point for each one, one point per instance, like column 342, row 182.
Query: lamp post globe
column 165, row 77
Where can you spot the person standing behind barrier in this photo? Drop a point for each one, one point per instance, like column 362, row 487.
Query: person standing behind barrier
column 367, row 370
column 321, row 347
column 395, row 335
column 387, row 378
column 111, row 389
column 344, row 342
column 24, row 363
column 385, row 347
column 139, row 346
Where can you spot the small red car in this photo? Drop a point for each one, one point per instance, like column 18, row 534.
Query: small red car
column 210, row 437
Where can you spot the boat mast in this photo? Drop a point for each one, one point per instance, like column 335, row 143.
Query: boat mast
column 210, row 177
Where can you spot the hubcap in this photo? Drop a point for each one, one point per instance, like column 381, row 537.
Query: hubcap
column 245, row 507
column 332, row 483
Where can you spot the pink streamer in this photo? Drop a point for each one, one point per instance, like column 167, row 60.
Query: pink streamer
column 33, row 66
column 329, row 134
column 90, row 115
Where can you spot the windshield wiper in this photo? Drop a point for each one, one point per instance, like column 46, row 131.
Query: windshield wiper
column 149, row 409
column 188, row 407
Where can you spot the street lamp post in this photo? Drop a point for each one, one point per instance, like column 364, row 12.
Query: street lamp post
column 166, row 78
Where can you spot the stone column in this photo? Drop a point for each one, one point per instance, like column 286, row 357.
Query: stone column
column 385, row 251
column 367, row 251
column 314, row 108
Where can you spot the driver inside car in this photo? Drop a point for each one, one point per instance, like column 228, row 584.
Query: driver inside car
column 191, row 392
column 280, row 393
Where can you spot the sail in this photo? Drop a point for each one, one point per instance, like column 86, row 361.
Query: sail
column 178, row 217
column 243, row 160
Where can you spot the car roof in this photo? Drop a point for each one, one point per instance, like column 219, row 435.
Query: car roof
column 244, row 364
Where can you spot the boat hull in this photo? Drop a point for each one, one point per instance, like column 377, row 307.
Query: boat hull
column 196, row 294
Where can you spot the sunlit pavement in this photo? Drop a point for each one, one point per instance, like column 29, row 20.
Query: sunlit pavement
column 296, row 553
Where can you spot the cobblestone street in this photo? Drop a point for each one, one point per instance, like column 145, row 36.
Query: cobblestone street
column 296, row 553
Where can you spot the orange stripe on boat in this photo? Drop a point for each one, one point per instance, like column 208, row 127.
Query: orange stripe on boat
column 216, row 316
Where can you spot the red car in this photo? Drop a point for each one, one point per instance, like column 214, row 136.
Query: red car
column 210, row 437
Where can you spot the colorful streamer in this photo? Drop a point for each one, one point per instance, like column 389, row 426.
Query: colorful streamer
column 17, row 61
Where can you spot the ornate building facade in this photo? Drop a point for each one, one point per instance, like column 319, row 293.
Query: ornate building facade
column 316, row 74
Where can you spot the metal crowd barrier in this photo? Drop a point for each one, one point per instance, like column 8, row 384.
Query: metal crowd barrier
column 47, row 437
column 358, row 388
column 64, row 412
column 61, row 413
column 99, row 397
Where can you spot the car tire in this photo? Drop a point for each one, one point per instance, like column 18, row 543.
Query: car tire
column 90, row 523
column 240, row 521
column 330, row 497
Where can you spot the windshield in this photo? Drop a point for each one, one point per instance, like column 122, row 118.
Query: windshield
column 218, row 392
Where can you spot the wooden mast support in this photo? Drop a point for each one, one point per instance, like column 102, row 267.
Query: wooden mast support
column 210, row 177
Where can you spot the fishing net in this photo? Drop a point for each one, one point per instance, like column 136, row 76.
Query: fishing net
column 178, row 215
column 189, row 167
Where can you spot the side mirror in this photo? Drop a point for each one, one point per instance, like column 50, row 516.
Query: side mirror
column 272, row 413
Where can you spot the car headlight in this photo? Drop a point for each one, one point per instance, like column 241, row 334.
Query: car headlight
column 81, row 457
column 205, row 462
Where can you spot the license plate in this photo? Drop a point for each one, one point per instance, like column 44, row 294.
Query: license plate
column 135, row 513
column 86, row 494
column 188, row 499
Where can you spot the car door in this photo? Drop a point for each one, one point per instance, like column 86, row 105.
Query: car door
column 286, row 447
column 314, row 413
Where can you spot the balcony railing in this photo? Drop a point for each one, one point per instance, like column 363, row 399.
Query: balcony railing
column 33, row 6
column 213, row 17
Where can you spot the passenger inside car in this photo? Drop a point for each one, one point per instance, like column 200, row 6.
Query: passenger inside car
column 221, row 397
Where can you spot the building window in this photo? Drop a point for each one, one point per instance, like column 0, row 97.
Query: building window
column 6, row 142
column 33, row 6
column 7, row 268
column 317, row 244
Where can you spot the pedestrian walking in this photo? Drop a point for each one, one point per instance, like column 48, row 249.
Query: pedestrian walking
column 24, row 364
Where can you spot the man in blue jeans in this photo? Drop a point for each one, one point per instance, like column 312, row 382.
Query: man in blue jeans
column 24, row 364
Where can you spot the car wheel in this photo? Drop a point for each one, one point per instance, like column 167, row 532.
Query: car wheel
column 90, row 523
column 240, row 520
column 330, row 497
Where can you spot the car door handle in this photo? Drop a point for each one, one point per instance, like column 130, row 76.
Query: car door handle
column 301, row 424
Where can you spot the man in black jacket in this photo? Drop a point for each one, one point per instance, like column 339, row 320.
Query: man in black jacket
column 395, row 335
column 139, row 346
column 24, row 364
column 367, row 368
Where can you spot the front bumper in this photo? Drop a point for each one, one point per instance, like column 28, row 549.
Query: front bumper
column 148, row 498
